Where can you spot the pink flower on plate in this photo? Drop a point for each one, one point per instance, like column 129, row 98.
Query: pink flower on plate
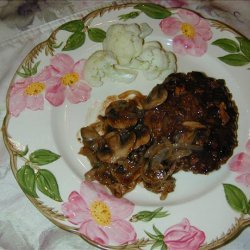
column 67, row 81
column 101, row 216
column 183, row 236
column 190, row 32
column 29, row 93
column 240, row 164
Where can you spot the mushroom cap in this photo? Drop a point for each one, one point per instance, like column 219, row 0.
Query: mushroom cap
column 156, row 97
column 117, row 146
column 122, row 114
column 89, row 134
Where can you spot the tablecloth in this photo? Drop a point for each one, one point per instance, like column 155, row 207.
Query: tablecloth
column 24, row 23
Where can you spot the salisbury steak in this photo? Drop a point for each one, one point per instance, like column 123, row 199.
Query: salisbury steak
column 189, row 122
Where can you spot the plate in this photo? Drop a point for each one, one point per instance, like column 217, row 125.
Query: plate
column 48, row 102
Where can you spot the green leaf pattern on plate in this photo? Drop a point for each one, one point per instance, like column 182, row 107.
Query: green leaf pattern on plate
column 73, row 26
column 148, row 215
column 153, row 10
column 157, row 237
column 244, row 46
column 75, row 41
column 227, row 44
column 234, row 59
column 96, row 34
column 130, row 15
column 43, row 157
column 77, row 38
column 31, row 176
column 28, row 71
column 26, row 179
column 237, row 199
column 47, row 184
column 239, row 53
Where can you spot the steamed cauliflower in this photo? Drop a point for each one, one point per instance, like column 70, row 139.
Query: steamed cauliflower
column 155, row 62
column 124, row 53
column 102, row 66
column 126, row 41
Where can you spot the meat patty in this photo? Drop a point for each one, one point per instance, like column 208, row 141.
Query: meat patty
column 187, row 123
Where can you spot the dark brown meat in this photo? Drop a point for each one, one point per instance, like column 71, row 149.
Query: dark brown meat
column 200, row 100
column 189, row 122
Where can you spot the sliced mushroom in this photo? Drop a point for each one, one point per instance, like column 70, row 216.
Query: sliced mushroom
column 104, row 154
column 162, row 156
column 89, row 134
column 185, row 141
column 122, row 114
column 167, row 153
column 90, row 137
column 156, row 154
column 91, row 156
column 117, row 146
column 161, row 165
column 142, row 135
column 156, row 147
column 157, row 96
column 134, row 95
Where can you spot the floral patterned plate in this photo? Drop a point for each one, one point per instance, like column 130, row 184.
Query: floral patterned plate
column 49, row 101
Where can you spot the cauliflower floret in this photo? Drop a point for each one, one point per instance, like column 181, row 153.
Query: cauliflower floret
column 146, row 30
column 154, row 61
column 124, row 53
column 101, row 67
column 126, row 41
column 155, row 44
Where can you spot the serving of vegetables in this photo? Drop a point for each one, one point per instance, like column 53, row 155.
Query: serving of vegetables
column 125, row 53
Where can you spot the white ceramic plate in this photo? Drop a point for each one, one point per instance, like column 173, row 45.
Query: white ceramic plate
column 42, row 123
